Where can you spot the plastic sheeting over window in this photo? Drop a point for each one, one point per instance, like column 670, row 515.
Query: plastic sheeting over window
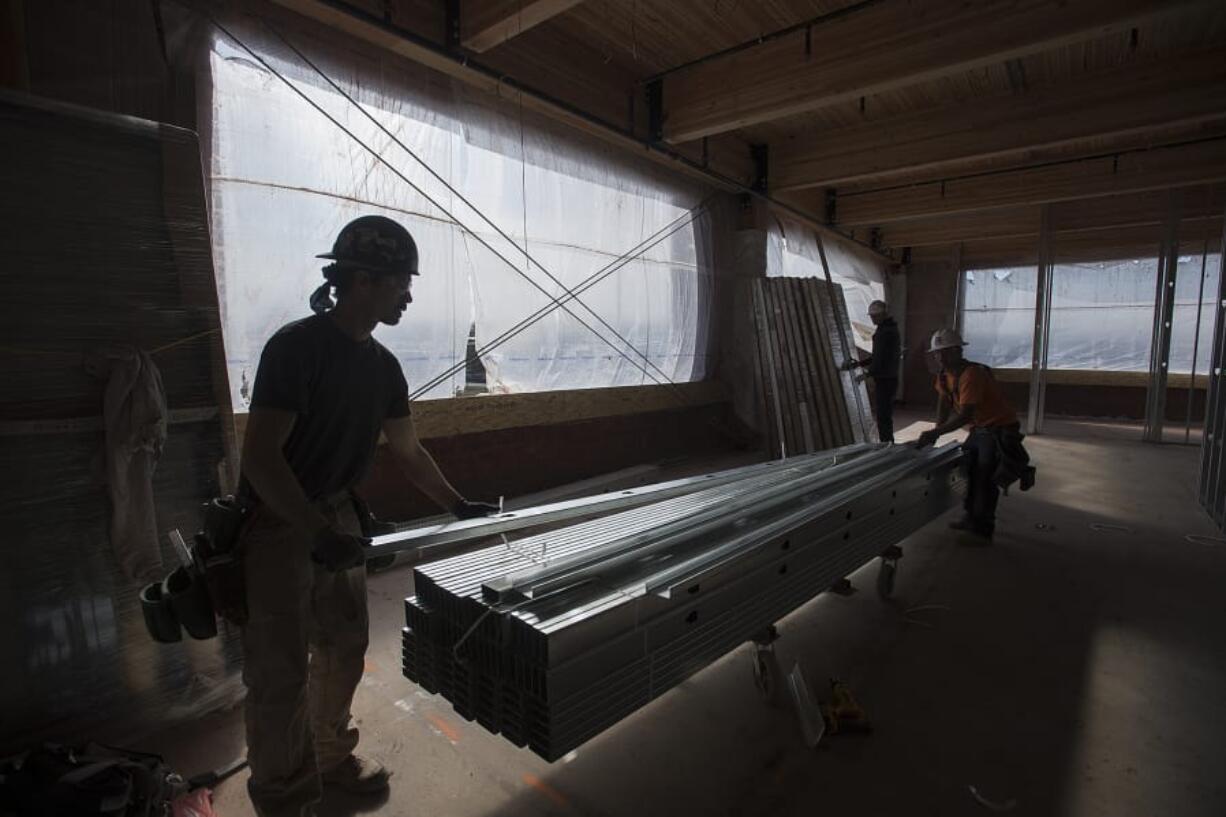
column 1188, row 294
column 998, row 316
column 793, row 253
column 285, row 180
column 1101, row 316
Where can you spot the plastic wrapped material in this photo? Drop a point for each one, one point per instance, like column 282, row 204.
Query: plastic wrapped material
column 105, row 242
column 285, row 180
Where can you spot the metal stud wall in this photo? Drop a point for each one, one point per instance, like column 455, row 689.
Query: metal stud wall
column 1211, row 489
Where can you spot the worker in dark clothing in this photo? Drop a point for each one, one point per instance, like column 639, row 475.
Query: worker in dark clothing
column 882, row 367
column 324, row 391
column 970, row 396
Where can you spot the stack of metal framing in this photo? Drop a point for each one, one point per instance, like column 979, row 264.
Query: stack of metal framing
column 553, row 638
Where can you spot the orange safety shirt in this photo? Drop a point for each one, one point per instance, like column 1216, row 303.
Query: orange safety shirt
column 976, row 387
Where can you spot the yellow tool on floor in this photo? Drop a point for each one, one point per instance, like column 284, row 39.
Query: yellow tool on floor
column 843, row 715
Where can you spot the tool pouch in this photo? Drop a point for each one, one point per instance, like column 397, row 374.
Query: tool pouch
column 219, row 558
column 160, row 618
column 189, row 598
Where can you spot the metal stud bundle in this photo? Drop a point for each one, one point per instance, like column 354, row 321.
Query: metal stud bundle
column 550, row 639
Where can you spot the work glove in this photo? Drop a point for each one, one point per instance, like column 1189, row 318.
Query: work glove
column 849, row 365
column 927, row 438
column 465, row 509
column 338, row 551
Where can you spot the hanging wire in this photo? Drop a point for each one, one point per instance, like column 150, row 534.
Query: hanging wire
column 421, row 192
column 527, row 256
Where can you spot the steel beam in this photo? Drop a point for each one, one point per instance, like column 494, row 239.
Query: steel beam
column 1042, row 327
column 1164, row 314
column 1200, row 307
column 445, row 531
column 1210, row 487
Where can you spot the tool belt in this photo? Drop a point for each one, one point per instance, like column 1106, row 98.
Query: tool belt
column 218, row 556
column 1013, row 461
column 214, row 582
column 208, row 584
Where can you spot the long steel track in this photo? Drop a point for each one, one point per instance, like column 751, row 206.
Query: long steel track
column 442, row 532
column 550, row 639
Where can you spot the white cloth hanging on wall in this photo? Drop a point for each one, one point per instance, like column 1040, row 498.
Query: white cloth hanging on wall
column 134, row 416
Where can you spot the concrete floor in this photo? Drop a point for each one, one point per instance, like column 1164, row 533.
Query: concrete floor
column 1067, row 670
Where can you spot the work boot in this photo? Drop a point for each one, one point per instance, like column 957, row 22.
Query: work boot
column 968, row 525
column 357, row 775
column 965, row 523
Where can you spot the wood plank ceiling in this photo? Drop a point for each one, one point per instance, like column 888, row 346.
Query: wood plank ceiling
column 906, row 123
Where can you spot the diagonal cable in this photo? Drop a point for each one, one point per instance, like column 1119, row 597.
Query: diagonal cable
column 583, row 286
column 595, row 278
column 592, row 280
column 432, row 201
column 396, row 140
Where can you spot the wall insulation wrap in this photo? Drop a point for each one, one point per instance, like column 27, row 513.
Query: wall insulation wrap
column 106, row 250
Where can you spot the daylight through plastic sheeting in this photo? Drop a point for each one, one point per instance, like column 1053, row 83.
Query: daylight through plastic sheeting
column 792, row 253
column 1102, row 314
column 285, row 180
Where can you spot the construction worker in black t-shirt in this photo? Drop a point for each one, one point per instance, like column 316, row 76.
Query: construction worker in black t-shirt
column 882, row 367
column 324, row 391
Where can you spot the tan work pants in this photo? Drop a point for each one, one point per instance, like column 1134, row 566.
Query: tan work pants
column 303, row 650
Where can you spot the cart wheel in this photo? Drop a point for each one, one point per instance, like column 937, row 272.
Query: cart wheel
column 767, row 676
column 885, row 578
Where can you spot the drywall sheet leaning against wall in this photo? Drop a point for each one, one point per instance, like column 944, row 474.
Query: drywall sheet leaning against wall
column 855, row 391
column 803, row 336
column 105, row 224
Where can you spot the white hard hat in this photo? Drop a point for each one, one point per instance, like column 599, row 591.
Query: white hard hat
column 945, row 339
column 878, row 308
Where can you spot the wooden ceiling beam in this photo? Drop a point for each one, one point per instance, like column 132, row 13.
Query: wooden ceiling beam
column 485, row 24
column 376, row 33
column 878, row 48
column 1155, row 169
column 1136, row 210
column 1092, row 245
column 1135, row 101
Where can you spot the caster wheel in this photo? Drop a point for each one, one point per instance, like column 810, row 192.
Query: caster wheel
column 885, row 578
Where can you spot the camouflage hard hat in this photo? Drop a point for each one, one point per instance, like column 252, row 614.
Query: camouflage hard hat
column 377, row 244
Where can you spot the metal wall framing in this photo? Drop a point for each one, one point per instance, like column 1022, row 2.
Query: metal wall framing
column 1200, row 308
column 1164, row 314
column 550, row 639
column 1042, row 327
column 1212, row 495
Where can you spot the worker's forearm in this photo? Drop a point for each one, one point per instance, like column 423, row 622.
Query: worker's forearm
column 953, row 423
column 942, row 413
column 277, row 487
column 423, row 471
